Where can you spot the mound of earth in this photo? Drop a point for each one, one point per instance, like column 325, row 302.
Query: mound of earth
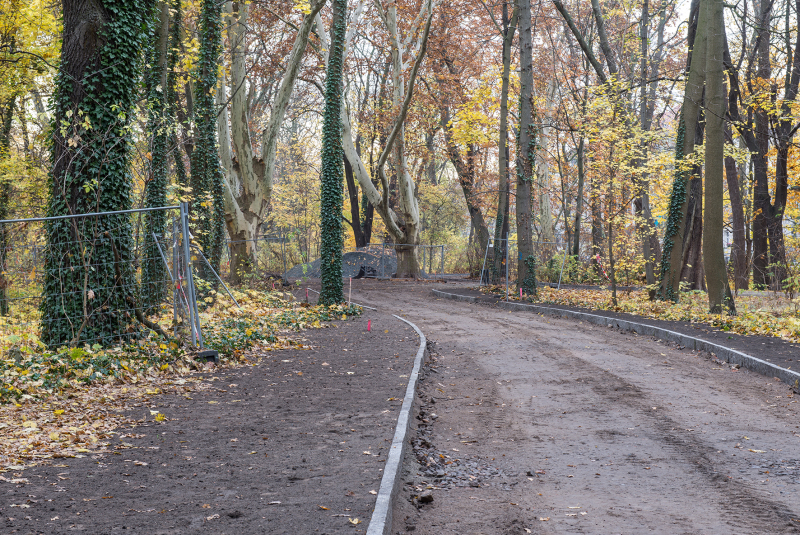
column 384, row 262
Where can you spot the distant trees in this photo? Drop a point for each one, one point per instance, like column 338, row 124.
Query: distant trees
column 431, row 95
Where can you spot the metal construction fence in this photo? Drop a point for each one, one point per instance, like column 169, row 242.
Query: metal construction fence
column 97, row 278
column 275, row 257
column 376, row 261
column 501, row 261
column 270, row 257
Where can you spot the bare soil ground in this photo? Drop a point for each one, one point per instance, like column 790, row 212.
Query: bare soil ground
column 770, row 348
column 293, row 445
column 526, row 424
column 532, row 424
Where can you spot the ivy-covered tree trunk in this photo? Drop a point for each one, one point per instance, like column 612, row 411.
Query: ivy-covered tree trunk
column 672, row 251
column 6, row 115
column 331, row 201
column 154, row 274
column 173, row 54
column 208, row 209
column 526, row 155
column 89, row 284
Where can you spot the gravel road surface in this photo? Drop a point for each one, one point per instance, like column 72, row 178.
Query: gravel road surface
column 532, row 424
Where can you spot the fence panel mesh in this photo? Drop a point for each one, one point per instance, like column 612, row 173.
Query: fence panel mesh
column 93, row 279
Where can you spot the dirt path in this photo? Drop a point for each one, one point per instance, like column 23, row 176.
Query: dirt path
column 293, row 445
column 543, row 425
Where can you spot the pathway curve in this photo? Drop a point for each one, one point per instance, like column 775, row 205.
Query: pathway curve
column 594, row 430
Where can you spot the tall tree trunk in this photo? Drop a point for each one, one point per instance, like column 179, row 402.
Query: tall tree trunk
column 672, row 260
column 561, row 158
column 641, row 201
column 430, row 159
column 784, row 127
column 762, row 258
column 6, row 116
column 719, row 293
column 90, row 174
column 355, row 212
column 331, row 197
column 466, row 176
column 248, row 180
column 545, row 211
column 693, row 270
column 597, row 226
column 526, row 155
column 576, row 246
column 154, row 274
column 739, row 246
column 176, row 147
column 206, row 174
column 501, row 220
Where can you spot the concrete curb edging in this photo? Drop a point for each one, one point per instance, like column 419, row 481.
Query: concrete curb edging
column 724, row 353
column 381, row 521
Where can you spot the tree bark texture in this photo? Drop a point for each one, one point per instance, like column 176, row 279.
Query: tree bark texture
column 95, row 88
column 355, row 211
column 526, row 157
column 719, row 293
column 672, row 262
column 466, row 177
column 545, row 211
column 501, row 220
column 207, row 180
column 576, row 246
column 155, row 283
column 331, row 202
column 6, row 118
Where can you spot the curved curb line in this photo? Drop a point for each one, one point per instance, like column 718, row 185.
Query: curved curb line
column 381, row 521
column 730, row 355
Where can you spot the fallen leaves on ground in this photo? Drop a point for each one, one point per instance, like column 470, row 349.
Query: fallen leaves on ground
column 78, row 423
column 69, row 402
column 753, row 318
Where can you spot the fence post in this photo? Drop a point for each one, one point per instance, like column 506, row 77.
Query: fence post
column 255, row 252
column 562, row 267
column 283, row 252
column 175, row 295
column 194, row 318
column 507, row 248
column 383, row 260
column 485, row 257
column 442, row 267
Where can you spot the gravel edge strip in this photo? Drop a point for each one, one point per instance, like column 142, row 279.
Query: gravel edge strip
column 381, row 521
column 729, row 355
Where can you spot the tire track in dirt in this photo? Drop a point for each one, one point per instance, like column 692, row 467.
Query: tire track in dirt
column 740, row 501
column 681, row 443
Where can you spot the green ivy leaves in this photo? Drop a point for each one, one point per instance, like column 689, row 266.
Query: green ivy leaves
column 332, row 177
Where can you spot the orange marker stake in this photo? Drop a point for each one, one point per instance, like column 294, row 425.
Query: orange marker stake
column 369, row 325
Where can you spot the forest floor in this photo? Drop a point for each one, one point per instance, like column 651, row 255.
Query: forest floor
column 294, row 443
column 525, row 424
column 532, row 424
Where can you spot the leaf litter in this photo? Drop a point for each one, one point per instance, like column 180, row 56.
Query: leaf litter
column 70, row 402
column 754, row 317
